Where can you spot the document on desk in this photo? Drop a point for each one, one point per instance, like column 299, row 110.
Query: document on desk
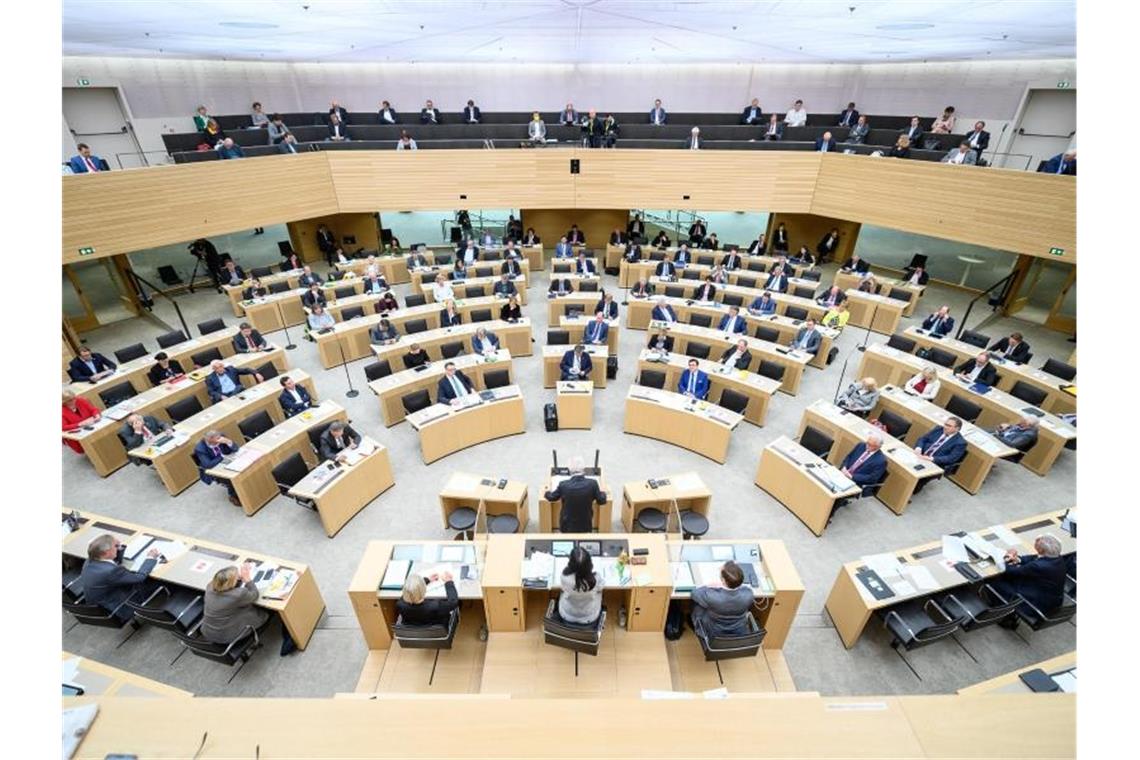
column 1005, row 535
column 706, row 573
column 722, row 552
column 170, row 549
column 886, row 566
column 452, row 553
column 953, row 549
column 242, row 459
column 920, row 576
column 76, row 723
column 279, row 586
column 395, row 575
column 137, row 546
column 682, row 576
column 1067, row 681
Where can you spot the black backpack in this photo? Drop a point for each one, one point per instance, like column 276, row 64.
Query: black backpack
column 674, row 621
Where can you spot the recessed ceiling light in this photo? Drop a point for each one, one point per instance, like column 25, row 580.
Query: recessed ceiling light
column 905, row 26
column 248, row 24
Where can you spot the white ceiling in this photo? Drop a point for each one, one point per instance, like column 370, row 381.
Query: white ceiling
column 574, row 31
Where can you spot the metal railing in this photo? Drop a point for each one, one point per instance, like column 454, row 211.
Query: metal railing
column 137, row 159
column 994, row 301
column 992, row 160
column 137, row 282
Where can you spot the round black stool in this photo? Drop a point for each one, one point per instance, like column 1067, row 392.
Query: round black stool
column 462, row 520
column 651, row 520
column 503, row 524
column 693, row 524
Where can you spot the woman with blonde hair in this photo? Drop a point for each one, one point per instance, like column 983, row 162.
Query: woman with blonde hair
column 901, row 148
column 925, row 384
column 860, row 397
column 414, row 608
column 441, row 291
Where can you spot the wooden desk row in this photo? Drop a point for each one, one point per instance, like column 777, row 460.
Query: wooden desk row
column 300, row 610
column 552, row 357
column 394, row 267
column 423, row 279
column 615, row 257
column 275, row 311
column 100, row 680
column 847, row 281
column 576, row 327
column 696, row 274
column 444, row 429
column 757, row 388
column 699, row 426
column 234, row 292
column 580, row 301
column 1011, row 683
column 391, row 389
column 515, row 337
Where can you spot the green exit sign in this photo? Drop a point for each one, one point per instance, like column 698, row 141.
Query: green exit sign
column 1057, row 251
column 87, row 82
column 86, row 251
column 1064, row 84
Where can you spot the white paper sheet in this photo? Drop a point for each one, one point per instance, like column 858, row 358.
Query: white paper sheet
column 884, row 565
column 1005, row 535
column 921, row 577
column 954, row 550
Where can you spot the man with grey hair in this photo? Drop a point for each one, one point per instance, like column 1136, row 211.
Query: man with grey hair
column 578, row 495
column 694, row 141
column 1039, row 580
column 1021, row 435
column 338, row 438
column 106, row 582
column 223, row 381
column 866, row 464
column 210, row 452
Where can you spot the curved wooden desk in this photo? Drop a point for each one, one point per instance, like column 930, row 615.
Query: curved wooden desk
column 446, row 429
column 701, row 427
column 389, row 390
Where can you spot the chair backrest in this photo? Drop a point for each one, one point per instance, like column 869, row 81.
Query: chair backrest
column 651, row 378
column 377, row 370
column 415, row 326
column 963, row 408
column 796, row 312
column 697, row 350
column 803, row 291
column 746, row 282
column 351, row 312
column 203, row 358
column 583, row 638
column 674, row 291
column 756, row 266
column 92, row 614
column 484, row 271
column 480, row 315
column 475, row 291
column 732, row 299
column 184, row 409
column 1028, row 393
column 130, row 352
column 573, row 310
column 452, row 349
column 492, row 255
column 211, row 326
column 561, row 267
column 895, row 424
column 268, row 371
column 899, row 294
column 771, row 369
column 974, row 338
column 415, row 401
column 117, row 393
column 497, row 378
column 558, row 337
column 656, row 255
column 414, row 299
column 770, row 334
column 690, row 274
column 732, row 647
column 902, row 343
column 434, row 636
column 705, row 261
column 1060, row 369
column 255, row 424
column 817, row 442
column 334, row 275
column 344, row 292
column 278, row 287
column 172, row 338
column 588, row 286
column 290, row 472
column 940, row 357
column 733, row 400
column 811, row 274
column 700, row 320
column 442, row 259
column 225, row 654
column 260, row 271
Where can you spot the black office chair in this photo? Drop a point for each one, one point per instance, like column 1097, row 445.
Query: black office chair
column 803, row 291
column 496, row 378
column 941, row 357
column 268, row 371
column 93, row 614
column 795, row 312
column 203, row 358
column 1060, row 369
column 414, row 299
column 756, row 266
column 289, row 473
column 1031, row 394
column 179, row 609
column 334, row 275
column 340, row 293
column 674, row 291
column 918, row 623
column 255, row 424
column 1039, row 620
column 377, row 370
column 484, row 271
column 130, row 352
column 236, row 652
column 415, row 326
column 717, row 648
column 979, row 608
column 278, row 287
column 902, row 343
column 963, row 408
column 475, row 291
column 733, row 401
column 184, row 409
column 442, row 259
column 770, row 334
column 452, row 349
column 351, row 312
column 573, row 310
column 974, row 338
column 651, row 378
column 462, row 520
column 705, row 261
column 650, row 520
column 211, row 326
column 812, row 274
column 588, row 286
column 731, row 299
column 260, row 272
column 415, row 401
column 315, row 433
column 746, row 282
column 557, row 337
column 172, row 338
column 656, row 255
column 117, row 393
column 435, row 636
column 480, row 315
column 492, row 255
column 700, row 320
column 771, row 369
column 562, row 268
column 899, row 294
column 895, row 424
column 816, row 442
column 579, row 638
column 697, row 350
column 690, row 274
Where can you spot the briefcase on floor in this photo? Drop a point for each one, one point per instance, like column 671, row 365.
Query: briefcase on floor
column 611, row 368
column 550, row 417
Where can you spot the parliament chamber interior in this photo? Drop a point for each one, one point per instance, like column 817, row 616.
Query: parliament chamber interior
column 402, row 378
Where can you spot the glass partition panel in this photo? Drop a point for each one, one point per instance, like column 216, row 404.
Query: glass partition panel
column 246, row 248
column 972, row 266
column 441, row 227
column 740, row 227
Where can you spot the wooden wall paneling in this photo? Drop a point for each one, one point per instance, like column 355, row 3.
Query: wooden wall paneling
column 362, row 226
column 596, row 223
column 809, row 229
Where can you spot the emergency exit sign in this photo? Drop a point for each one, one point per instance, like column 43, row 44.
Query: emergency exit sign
column 87, row 82
column 89, row 251
column 1057, row 251
column 1064, row 84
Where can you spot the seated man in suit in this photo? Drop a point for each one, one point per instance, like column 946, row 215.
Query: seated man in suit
column 1062, row 163
column 164, row 369
column 607, row 306
column 758, row 246
column 596, row 332
column 618, row 237
column 223, row 382
column 833, row 297
column 807, row 338
column 963, row 154
column 453, row 386
column 774, row 130
column 661, row 342
column 511, row 266
column 417, row 260
column 1012, row 348
column 706, row 292
column 697, row 231
column 731, row 261
column 375, row 283
column 338, row 438
column 563, row 249
column 683, row 257
column 504, row 288
column 578, row 495
column 657, row 116
column 632, row 253
column 1021, row 435
column 584, row 266
column 576, row 364
column 429, row 114
column 294, row 399
column 450, row 316
column 663, row 312
column 826, row 144
column 231, row 273
column 471, row 113
column 575, row 236
column 722, row 610
column 738, row 356
column 85, row 161
column 314, row 296
column 107, row 583
column 752, row 114
column 641, row 289
column 90, row 366
column 416, row 357
column 732, row 322
column 248, row 340
column 140, row 429
column 977, row 370
column 866, row 465
column 309, row 277
column 763, row 304
column 666, row 269
column 383, row 332
column 661, row 240
column 1039, row 580
column 777, row 281
column 940, row 322
column 209, row 453
column 856, row 264
column 559, row 286
column 255, row 290
column 915, row 276
column 943, row 445
column 484, row 342
column 694, row 383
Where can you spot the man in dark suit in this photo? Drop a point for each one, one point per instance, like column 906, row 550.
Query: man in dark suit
column 248, row 340
column 578, row 495
column 827, row 245
column 596, row 333
column 759, row 246
column 223, row 382
column 657, row 116
column 288, row 145
column 1039, row 580
column 866, row 465
column 1021, row 435
column 943, row 445
column 592, row 129
column 1012, row 348
column 607, row 306
column 484, row 342
column 732, row 322
column 916, row 276
column 89, row 366
column 338, row 130
column 314, row 296
column 661, row 240
column 231, row 273
column 706, row 292
column 559, row 286
column 209, row 453
column 1062, row 163
column 388, row 114
column 752, row 114
column 666, row 268
column 338, row 438
column 511, row 268
column 738, row 356
column 977, row 370
column 661, row 342
column 826, row 144
column 139, row 429
column 164, row 369
column 505, row 287
column 694, row 383
column 341, row 113
column 617, row 237
column 777, row 281
column 583, row 265
column 807, row 338
column 731, row 261
column 294, row 399
column 940, row 322
column 832, row 297
column 309, row 277
column 848, row 116
column 978, row 138
column 697, row 231
column 641, row 289
column 576, row 364
column 663, row 312
column 774, row 130
column 857, row 264
column 575, row 236
column 780, row 239
column 471, row 113
column 429, row 114
column 632, row 253
column 453, row 386
column 683, row 257
column 107, row 583
column 914, row 132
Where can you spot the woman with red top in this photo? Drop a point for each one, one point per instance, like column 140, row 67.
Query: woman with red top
column 76, row 411
column 925, row 384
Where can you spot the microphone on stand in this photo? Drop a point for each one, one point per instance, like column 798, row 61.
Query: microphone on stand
column 874, row 312
column 289, row 344
column 352, row 392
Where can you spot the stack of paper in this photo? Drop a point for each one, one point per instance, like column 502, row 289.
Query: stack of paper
column 682, row 576
column 953, row 549
column 243, row 459
column 706, row 573
column 171, row 549
column 921, row 577
column 396, row 574
column 280, row 584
